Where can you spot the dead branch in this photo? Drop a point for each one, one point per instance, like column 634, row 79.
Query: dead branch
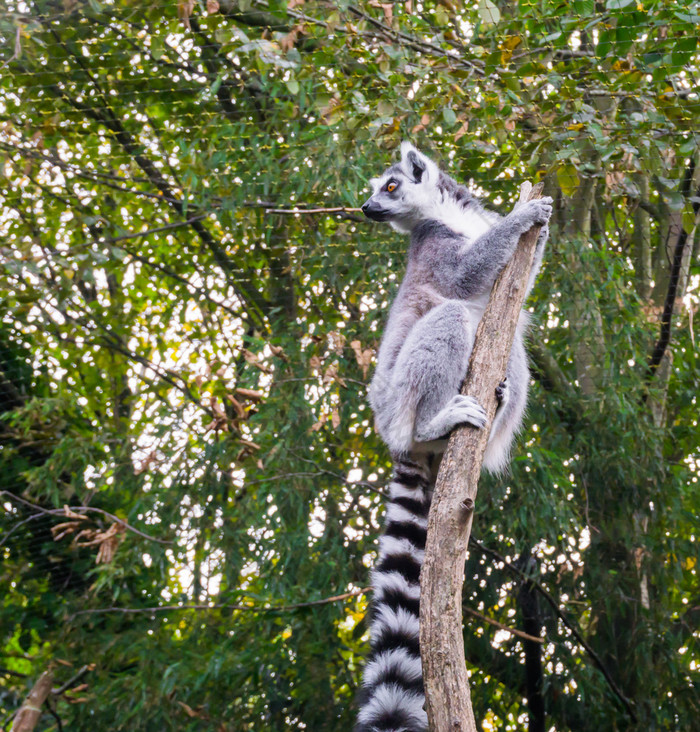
column 554, row 603
column 78, row 511
column 496, row 624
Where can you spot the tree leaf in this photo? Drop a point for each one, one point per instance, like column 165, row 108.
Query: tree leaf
column 568, row 179
column 488, row 13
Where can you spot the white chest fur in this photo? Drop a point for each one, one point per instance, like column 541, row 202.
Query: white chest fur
column 470, row 222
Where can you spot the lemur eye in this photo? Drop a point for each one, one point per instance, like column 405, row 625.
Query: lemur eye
column 391, row 187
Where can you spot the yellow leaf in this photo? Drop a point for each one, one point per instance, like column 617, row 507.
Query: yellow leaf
column 567, row 177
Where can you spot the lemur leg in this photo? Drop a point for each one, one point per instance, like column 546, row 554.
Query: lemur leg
column 431, row 366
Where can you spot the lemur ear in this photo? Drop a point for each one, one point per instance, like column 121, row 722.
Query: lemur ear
column 416, row 165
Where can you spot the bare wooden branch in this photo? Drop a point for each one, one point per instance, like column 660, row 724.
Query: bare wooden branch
column 30, row 712
column 73, row 680
column 449, row 525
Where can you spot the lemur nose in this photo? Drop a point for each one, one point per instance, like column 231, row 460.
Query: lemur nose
column 365, row 206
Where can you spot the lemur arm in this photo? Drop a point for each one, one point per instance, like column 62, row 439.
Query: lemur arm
column 485, row 257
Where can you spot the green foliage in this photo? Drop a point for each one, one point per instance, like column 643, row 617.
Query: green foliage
column 183, row 348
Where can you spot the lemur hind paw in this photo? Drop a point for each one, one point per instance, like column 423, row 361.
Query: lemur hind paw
column 502, row 392
column 466, row 410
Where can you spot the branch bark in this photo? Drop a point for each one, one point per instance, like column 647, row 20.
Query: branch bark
column 449, row 525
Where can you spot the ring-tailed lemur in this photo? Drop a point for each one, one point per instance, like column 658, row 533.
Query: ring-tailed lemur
column 457, row 250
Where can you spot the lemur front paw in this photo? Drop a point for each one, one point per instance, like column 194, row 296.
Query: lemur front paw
column 534, row 213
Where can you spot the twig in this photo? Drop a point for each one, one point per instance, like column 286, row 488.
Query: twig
column 273, row 608
column 106, row 179
column 305, row 211
column 496, row 624
column 223, row 606
column 54, row 714
column 340, row 477
column 17, row 526
column 81, row 510
column 415, row 43
column 157, row 230
column 73, row 680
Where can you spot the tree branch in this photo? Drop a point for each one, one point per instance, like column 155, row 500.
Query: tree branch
column 73, row 679
column 598, row 662
column 416, row 44
column 223, row 606
column 449, row 524
column 496, row 624
column 157, row 230
column 30, row 712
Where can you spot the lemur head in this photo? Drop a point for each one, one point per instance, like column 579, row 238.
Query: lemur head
column 415, row 190
column 405, row 193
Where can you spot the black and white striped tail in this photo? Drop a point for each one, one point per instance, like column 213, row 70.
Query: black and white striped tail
column 392, row 697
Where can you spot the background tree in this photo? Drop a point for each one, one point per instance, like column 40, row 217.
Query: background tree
column 189, row 307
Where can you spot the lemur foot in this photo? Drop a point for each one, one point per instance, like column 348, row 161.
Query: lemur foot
column 466, row 410
column 502, row 392
column 459, row 410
